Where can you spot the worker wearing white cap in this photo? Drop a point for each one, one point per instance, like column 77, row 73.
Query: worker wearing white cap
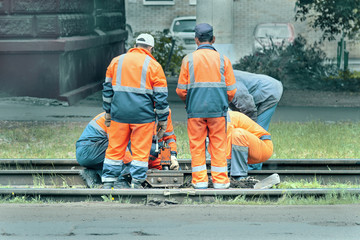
column 134, row 95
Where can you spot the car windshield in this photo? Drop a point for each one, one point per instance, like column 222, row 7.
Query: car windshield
column 273, row 31
column 185, row 25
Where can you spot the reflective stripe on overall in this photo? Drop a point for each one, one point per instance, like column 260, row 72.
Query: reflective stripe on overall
column 120, row 133
column 244, row 146
column 214, row 125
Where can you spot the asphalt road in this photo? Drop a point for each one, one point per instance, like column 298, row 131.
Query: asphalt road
column 120, row 221
column 85, row 111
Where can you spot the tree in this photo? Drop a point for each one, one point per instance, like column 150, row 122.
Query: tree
column 333, row 17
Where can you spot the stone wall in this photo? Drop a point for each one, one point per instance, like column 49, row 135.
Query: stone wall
column 58, row 48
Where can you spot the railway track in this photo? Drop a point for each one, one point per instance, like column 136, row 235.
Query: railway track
column 60, row 179
column 65, row 172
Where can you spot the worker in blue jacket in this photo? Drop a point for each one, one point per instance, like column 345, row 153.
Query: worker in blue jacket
column 257, row 96
column 93, row 142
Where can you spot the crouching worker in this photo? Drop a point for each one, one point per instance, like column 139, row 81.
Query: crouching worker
column 93, row 142
column 90, row 150
column 247, row 143
column 257, row 96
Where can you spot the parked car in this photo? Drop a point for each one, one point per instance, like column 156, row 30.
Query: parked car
column 279, row 34
column 183, row 30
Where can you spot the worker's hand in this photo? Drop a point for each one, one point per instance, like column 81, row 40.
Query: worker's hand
column 174, row 163
column 107, row 119
column 161, row 128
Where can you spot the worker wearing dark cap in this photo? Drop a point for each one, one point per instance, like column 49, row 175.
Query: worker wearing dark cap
column 206, row 84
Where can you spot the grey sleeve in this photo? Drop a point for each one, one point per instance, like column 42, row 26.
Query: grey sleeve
column 243, row 102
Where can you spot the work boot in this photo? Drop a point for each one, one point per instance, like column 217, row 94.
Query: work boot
column 108, row 185
column 222, row 186
column 90, row 177
column 121, row 184
column 136, row 184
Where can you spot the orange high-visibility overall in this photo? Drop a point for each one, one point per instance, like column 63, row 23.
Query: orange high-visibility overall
column 248, row 143
column 206, row 84
column 135, row 86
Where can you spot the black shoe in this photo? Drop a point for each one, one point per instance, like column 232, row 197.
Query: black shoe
column 90, row 177
column 136, row 184
column 121, row 184
column 108, row 185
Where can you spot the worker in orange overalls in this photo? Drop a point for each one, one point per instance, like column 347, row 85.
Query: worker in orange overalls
column 134, row 96
column 247, row 143
column 93, row 142
column 257, row 96
column 206, row 84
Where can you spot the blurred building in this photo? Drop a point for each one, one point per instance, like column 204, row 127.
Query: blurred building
column 58, row 48
column 234, row 21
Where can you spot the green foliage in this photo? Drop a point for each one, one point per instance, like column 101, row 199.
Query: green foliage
column 162, row 50
column 297, row 66
column 343, row 81
column 336, row 17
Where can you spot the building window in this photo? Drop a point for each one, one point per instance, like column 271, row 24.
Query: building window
column 159, row 2
column 192, row 2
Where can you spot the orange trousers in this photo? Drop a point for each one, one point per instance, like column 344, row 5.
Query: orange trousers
column 245, row 148
column 258, row 150
column 141, row 140
column 198, row 129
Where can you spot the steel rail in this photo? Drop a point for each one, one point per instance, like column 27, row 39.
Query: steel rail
column 185, row 164
column 65, row 172
column 179, row 195
column 61, row 177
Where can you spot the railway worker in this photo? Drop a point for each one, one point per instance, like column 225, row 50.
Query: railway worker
column 257, row 96
column 247, row 143
column 93, row 142
column 134, row 96
column 206, row 84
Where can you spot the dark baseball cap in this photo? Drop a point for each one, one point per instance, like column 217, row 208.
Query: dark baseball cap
column 203, row 30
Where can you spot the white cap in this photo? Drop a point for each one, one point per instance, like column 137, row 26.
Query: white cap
column 146, row 39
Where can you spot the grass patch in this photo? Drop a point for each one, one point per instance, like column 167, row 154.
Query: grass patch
column 327, row 199
column 291, row 139
column 313, row 184
column 39, row 139
column 315, row 140
column 26, row 199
